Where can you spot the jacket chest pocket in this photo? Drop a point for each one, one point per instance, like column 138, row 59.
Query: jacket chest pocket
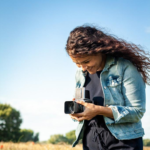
column 114, row 84
column 78, row 84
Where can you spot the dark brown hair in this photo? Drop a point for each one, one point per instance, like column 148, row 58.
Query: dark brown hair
column 87, row 40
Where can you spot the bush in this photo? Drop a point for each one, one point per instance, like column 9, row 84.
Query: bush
column 146, row 142
column 57, row 138
column 71, row 136
column 28, row 135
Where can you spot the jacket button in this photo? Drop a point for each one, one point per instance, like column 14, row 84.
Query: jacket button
column 104, row 87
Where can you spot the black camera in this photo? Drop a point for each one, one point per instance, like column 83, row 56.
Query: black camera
column 72, row 107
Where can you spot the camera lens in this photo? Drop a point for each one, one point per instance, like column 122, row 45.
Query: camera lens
column 71, row 107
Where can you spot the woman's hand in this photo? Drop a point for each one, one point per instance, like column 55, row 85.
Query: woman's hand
column 89, row 112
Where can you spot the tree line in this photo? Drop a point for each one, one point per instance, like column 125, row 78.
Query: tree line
column 10, row 121
column 69, row 138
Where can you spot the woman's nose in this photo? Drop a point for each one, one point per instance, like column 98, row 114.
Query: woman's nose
column 84, row 68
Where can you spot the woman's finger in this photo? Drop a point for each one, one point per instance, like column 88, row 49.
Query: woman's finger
column 81, row 118
column 73, row 117
column 78, row 115
column 82, row 103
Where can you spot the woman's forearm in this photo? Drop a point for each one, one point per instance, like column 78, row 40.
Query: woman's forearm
column 105, row 111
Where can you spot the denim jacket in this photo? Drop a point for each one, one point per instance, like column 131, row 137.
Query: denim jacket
column 124, row 92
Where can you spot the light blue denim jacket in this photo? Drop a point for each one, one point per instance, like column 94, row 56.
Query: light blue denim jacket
column 124, row 93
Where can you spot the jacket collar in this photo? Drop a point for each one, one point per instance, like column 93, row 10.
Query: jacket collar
column 110, row 60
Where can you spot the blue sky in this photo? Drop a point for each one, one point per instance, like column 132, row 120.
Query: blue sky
column 37, row 75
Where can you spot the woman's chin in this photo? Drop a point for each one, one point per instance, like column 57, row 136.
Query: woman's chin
column 91, row 72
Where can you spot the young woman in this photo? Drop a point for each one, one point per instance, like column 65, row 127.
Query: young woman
column 115, row 72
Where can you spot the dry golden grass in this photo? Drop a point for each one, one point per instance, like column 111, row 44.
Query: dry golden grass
column 32, row 146
column 146, row 148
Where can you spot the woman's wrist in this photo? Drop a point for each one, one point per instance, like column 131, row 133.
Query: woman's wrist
column 104, row 111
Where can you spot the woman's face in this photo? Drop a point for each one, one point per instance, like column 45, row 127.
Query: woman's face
column 91, row 63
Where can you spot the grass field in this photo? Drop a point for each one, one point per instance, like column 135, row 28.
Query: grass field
column 32, row 146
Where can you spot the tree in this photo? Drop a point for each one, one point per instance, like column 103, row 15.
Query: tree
column 10, row 122
column 54, row 139
column 28, row 135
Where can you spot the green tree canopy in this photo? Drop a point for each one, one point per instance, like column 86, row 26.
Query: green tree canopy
column 10, row 122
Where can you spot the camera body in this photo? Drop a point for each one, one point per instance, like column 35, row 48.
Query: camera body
column 72, row 107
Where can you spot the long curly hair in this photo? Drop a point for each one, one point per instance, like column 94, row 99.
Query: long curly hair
column 87, row 40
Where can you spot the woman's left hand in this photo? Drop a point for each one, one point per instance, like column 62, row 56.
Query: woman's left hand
column 89, row 112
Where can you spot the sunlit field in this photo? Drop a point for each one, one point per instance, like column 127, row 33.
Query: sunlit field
column 33, row 146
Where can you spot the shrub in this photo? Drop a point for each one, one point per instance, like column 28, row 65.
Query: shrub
column 146, row 142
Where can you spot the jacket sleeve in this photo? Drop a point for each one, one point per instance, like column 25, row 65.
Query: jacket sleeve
column 133, row 91
column 76, row 76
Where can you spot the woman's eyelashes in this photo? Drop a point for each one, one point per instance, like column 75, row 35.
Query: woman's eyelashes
column 82, row 63
column 86, row 62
